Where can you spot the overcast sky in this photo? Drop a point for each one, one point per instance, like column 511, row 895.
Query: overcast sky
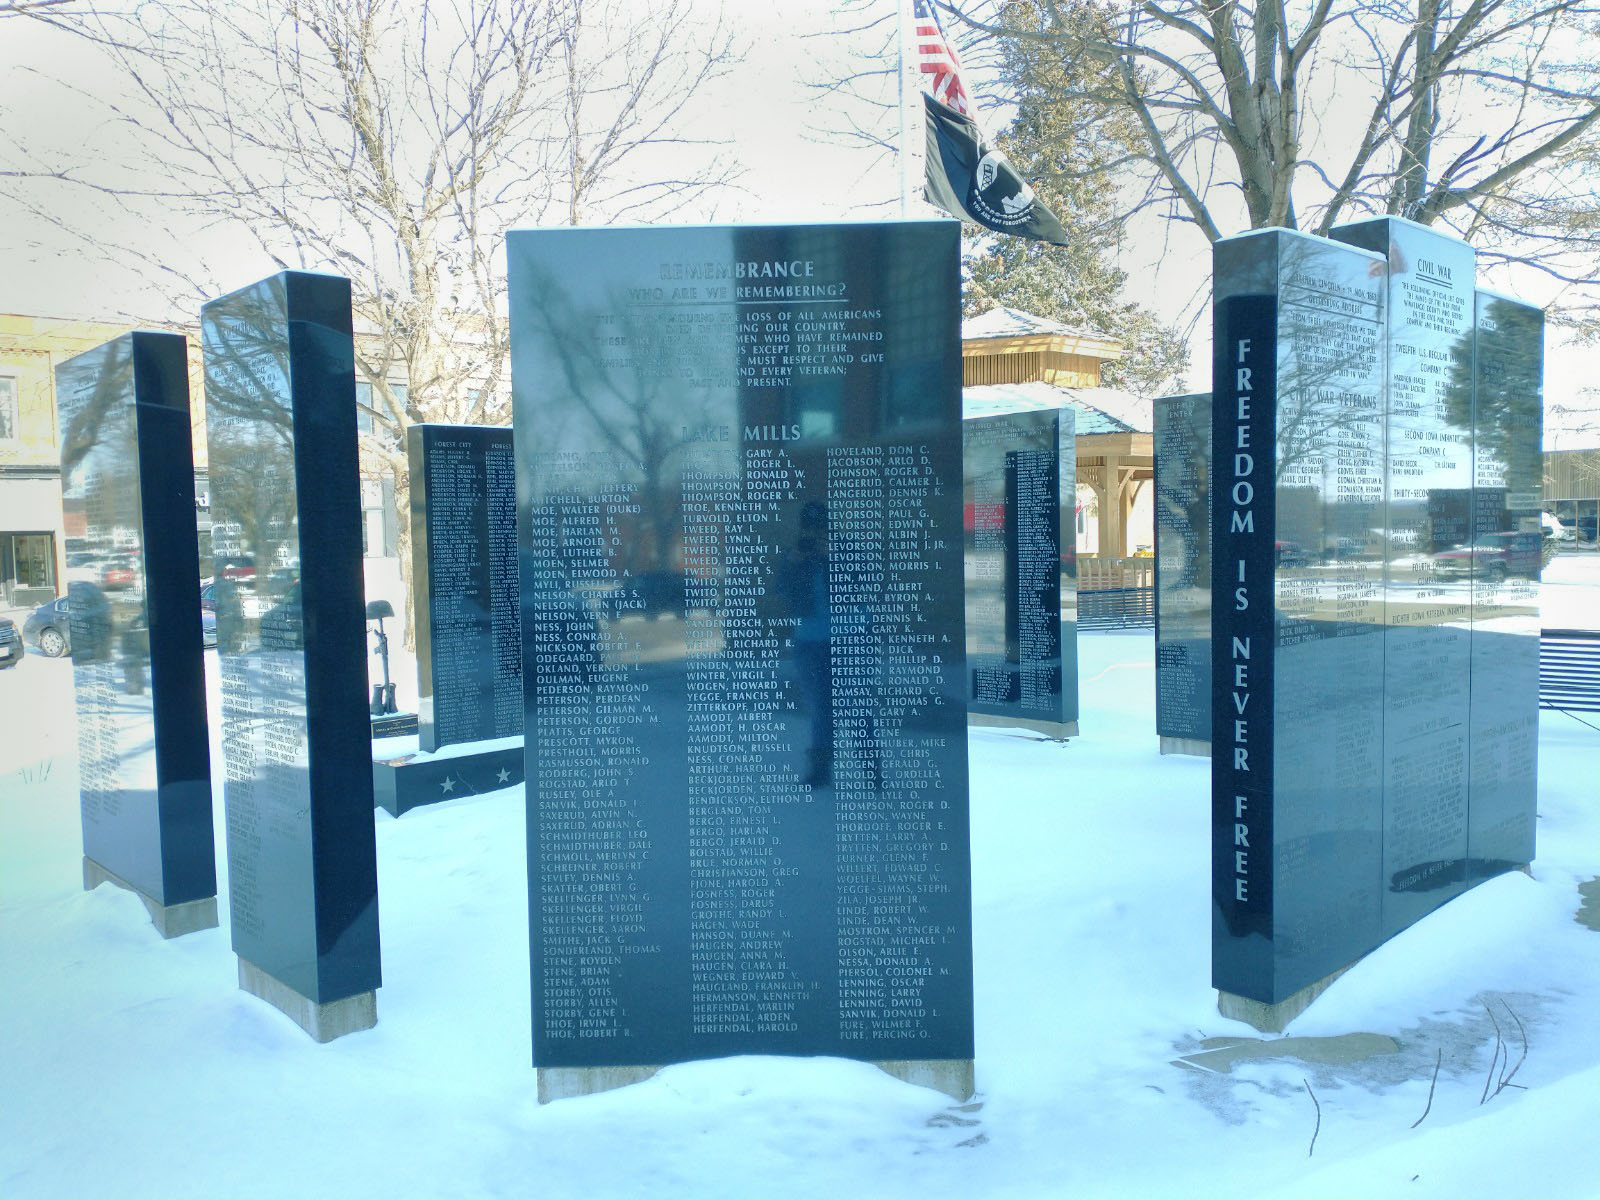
column 772, row 122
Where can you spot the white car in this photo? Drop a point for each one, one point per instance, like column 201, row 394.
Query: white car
column 1553, row 528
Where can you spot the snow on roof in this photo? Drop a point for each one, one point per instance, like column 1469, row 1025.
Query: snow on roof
column 1096, row 410
column 1001, row 321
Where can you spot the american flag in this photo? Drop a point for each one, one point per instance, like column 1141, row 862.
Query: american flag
column 941, row 69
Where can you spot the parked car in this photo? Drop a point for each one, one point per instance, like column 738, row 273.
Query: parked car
column 1492, row 558
column 208, row 628
column 241, row 568
column 118, row 573
column 10, row 643
column 49, row 628
column 1556, row 529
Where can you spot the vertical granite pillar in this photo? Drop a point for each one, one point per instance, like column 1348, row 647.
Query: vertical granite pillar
column 1297, row 644
column 1377, row 428
column 127, row 485
column 281, row 425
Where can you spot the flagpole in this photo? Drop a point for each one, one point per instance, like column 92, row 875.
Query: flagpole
column 906, row 95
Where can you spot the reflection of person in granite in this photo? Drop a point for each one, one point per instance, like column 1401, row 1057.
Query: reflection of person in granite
column 230, row 616
column 803, row 587
column 134, row 647
column 90, row 614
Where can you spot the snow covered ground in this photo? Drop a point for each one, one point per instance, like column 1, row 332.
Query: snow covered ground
column 133, row 1067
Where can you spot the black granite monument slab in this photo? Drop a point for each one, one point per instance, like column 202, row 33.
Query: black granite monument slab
column 1019, row 471
column 408, row 778
column 1182, row 443
column 127, row 480
column 468, row 621
column 739, row 499
column 296, row 740
column 1427, row 603
column 464, row 584
column 1374, row 715
column 1297, row 614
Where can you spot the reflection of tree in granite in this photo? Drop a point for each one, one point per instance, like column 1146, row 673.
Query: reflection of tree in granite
column 93, row 396
column 803, row 590
column 250, row 423
column 1500, row 390
column 627, row 403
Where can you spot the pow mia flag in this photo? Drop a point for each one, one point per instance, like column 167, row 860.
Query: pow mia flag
column 968, row 178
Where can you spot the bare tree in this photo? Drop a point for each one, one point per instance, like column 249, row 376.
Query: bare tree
column 1060, row 150
column 1305, row 115
column 22, row 8
column 394, row 143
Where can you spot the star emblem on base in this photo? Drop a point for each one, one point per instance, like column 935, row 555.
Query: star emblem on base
column 449, row 785
column 504, row 776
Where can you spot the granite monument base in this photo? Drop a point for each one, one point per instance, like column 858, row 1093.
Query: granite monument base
column 1180, row 745
column 323, row 1022
column 408, row 780
column 1274, row 1018
column 954, row 1077
column 170, row 920
column 1059, row 730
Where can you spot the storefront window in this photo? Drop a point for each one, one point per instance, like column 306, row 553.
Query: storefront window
column 27, row 567
column 8, row 408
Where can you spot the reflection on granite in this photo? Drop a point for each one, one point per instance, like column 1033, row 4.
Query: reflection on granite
column 127, row 483
column 1182, row 444
column 464, row 584
column 1019, row 494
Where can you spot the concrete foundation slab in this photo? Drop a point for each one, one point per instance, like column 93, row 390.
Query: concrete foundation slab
column 953, row 1077
column 323, row 1022
column 1221, row 1053
column 170, row 920
column 1194, row 746
column 566, row 1083
column 1060, row 730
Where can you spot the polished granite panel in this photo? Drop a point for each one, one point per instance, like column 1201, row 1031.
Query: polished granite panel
column 464, row 584
column 1508, row 410
column 296, row 744
column 1182, row 442
column 1019, row 483
column 1427, row 585
column 739, row 502
column 127, row 487
column 1297, row 633
column 402, row 781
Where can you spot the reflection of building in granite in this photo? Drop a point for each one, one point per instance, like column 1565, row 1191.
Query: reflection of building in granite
column 1019, row 358
column 34, row 525
column 1005, row 355
column 1571, row 488
column 33, row 559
